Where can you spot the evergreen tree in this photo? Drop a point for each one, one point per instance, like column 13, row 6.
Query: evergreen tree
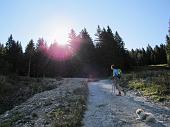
column 29, row 53
column 4, row 65
column 2, row 51
column 162, row 55
column 168, row 49
column 105, row 49
column 74, row 41
column 41, row 57
column 53, row 66
column 110, row 50
column 86, row 52
column 75, row 63
column 122, row 53
column 132, row 55
column 98, row 37
column 14, row 55
column 149, row 52
column 86, row 47
column 99, row 49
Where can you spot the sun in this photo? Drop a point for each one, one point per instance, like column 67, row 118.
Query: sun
column 57, row 31
column 62, row 37
column 57, row 36
column 61, row 34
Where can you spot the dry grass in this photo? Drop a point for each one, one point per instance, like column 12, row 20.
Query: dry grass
column 70, row 114
column 14, row 90
column 154, row 84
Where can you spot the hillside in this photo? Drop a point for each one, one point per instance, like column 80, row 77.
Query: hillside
column 62, row 106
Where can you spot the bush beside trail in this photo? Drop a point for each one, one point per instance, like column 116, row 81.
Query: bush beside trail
column 153, row 84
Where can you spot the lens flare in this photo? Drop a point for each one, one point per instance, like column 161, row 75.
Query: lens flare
column 59, row 52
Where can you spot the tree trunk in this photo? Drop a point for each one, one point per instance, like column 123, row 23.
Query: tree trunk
column 29, row 67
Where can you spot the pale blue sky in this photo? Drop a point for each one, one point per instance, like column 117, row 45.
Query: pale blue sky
column 138, row 22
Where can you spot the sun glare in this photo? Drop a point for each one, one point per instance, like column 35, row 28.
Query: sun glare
column 61, row 33
column 57, row 30
column 62, row 38
column 56, row 33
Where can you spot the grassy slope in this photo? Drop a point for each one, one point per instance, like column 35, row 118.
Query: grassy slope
column 152, row 81
column 68, row 114
column 14, row 90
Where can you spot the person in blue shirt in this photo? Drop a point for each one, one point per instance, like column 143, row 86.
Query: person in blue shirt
column 116, row 79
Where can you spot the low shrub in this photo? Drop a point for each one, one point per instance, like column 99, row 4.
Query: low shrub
column 155, row 84
column 135, row 84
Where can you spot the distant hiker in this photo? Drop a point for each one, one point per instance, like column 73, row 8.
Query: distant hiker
column 116, row 78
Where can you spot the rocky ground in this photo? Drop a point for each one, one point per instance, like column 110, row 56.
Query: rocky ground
column 62, row 106
column 108, row 110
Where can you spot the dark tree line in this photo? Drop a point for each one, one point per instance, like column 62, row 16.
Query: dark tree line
column 150, row 56
column 81, row 57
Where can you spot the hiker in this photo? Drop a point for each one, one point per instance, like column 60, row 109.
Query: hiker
column 116, row 79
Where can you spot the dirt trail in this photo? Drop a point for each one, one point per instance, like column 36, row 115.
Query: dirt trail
column 108, row 110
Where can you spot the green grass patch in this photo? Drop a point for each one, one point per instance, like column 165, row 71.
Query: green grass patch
column 152, row 81
column 137, row 85
column 157, row 92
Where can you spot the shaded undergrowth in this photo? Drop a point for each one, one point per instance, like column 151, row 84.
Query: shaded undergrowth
column 14, row 90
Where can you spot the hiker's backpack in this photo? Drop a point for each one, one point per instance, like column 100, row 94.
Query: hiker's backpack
column 117, row 73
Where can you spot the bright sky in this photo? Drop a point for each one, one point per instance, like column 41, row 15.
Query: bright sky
column 138, row 22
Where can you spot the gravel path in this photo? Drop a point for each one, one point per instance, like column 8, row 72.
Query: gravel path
column 108, row 110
